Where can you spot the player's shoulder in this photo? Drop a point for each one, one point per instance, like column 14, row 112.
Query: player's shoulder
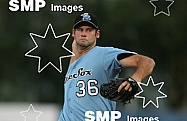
column 104, row 48
column 113, row 50
column 108, row 49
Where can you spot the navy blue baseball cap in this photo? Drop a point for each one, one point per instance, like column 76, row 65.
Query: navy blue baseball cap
column 88, row 18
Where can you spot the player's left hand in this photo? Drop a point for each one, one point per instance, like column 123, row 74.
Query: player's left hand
column 120, row 90
column 126, row 86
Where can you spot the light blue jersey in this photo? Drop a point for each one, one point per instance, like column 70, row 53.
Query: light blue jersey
column 83, row 80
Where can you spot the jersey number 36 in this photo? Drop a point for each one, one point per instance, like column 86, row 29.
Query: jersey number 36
column 89, row 87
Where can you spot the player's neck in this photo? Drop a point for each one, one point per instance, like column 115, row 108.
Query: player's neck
column 83, row 50
column 79, row 52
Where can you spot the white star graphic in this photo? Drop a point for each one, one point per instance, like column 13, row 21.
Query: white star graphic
column 150, row 101
column 155, row 7
column 36, row 46
column 31, row 110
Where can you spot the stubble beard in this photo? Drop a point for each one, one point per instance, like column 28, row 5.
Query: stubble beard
column 85, row 45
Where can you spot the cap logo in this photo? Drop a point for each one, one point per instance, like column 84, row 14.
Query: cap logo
column 86, row 17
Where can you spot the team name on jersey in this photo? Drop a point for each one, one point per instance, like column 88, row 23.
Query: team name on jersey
column 80, row 72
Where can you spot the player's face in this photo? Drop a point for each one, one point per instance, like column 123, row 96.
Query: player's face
column 85, row 36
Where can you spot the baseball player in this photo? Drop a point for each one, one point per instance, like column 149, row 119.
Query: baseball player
column 94, row 65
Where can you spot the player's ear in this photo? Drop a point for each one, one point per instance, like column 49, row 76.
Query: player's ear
column 97, row 34
column 73, row 33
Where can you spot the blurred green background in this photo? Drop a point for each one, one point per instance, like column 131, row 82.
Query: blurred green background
column 126, row 24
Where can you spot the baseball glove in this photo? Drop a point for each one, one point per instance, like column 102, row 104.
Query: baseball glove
column 110, row 90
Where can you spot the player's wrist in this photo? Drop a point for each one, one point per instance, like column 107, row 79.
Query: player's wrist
column 131, row 79
column 135, row 78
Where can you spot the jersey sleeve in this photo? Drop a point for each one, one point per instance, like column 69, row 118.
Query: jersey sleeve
column 111, row 60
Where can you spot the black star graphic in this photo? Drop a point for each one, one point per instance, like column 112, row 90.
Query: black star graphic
column 155, row 94
column 49, row 49
column 161, row 6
